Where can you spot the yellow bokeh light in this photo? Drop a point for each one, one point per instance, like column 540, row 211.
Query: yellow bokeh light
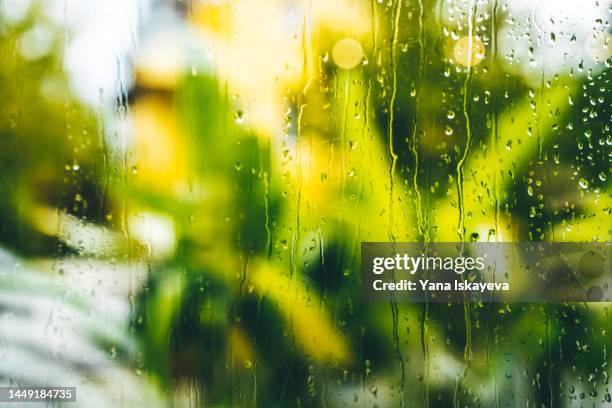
column 469, row 51
column 347, row 53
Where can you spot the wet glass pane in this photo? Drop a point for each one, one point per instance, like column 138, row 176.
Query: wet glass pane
column 186, row 186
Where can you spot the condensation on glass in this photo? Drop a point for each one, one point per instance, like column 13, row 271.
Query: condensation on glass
column 186, row 186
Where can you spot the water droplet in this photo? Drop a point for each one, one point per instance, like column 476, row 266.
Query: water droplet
column 239, row 117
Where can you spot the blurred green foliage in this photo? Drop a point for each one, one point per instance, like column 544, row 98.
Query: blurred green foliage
column 258, row 303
